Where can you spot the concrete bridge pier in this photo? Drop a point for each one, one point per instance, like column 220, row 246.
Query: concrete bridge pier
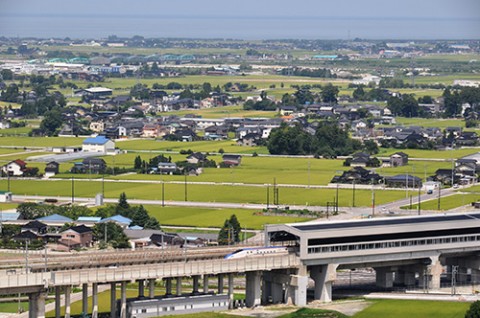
column 323, row 276
column 266, row 288
column 274, row 286
column 230, row 291
column 113, row 300
column 384, row 277
column 297, row 288
column 36, row 302
column 123, row 300
column 68, row 310
column 253, row 290
column 141, row 288
column 85, row 298
column 220, row 284
column 151, row 288
column 58, row 304
column 168, row 286
column 434, row 270
column 205, row 283
column 178, row 286
column 195, row 284
column 95, row 300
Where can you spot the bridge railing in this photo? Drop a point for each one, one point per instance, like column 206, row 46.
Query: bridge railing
column 25, row 280
column 173, row 269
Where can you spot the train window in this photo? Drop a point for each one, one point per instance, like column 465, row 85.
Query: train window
column 144, row 310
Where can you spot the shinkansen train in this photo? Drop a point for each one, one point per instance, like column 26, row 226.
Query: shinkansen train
column 258, row 251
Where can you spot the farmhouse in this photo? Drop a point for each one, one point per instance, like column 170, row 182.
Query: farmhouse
column 15, row 168
column 398, row 159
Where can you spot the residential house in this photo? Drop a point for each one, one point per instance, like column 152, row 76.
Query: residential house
column 360, row 159
column 36, row 227
column 167, row 168
column 51, row 168
column 358, row 175
column 445, row 176
column 467, row 138
column 216, row 132
column 27, row 236
column 151, row 130
column 77, row 236
column 250, row 140
column 403, row 181
column 94, row 165
column 398, row 159
column 119, row 219
column 196, row 158
column 232, row 160
column 97, row 126
column 15, row 168
column 185, row 135
column 55, row 219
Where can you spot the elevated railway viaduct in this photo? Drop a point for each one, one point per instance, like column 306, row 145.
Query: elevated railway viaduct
column 410, row 251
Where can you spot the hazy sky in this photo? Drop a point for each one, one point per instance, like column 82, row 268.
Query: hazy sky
column 209, row 18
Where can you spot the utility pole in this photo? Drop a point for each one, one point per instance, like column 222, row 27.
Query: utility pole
column 268, row 196
column 163, row 193
column 439, row 195
column 103, row 185
column 336, row 200
column 185, row 185
column 419, row 194
column 73, row 190
column 309, row 174
column 353, row 194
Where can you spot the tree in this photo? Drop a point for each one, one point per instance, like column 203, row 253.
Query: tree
column 329, row 93
column 51, row 122
column 112, row 233
column 11, row 94
column 370, row 147
column 137, row 164
column 122, row 202
column 230, row 231
column 474, row 310
column 452, row 103
column 359, row 93
column 6, row 75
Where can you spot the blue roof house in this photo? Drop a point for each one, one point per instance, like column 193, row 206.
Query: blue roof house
column 121, row 220
column 56, row 218
column 98, row 144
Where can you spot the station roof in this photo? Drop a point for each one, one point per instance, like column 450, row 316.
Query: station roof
column 384, row 221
